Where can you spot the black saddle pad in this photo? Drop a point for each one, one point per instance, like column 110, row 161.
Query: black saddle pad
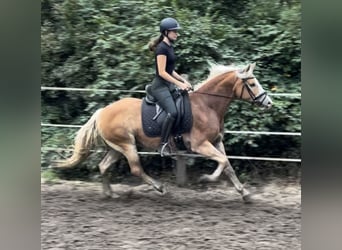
column 152, row 123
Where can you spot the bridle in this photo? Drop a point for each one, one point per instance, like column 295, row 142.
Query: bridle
column 255, row 99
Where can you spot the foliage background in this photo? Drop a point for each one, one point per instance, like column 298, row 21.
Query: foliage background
column 103, row 45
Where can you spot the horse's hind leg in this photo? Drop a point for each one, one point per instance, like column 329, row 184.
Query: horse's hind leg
column 130, row 152
column 110, row 158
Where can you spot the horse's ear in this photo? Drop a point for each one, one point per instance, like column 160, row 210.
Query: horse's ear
column 246, row 69
column 251, row 68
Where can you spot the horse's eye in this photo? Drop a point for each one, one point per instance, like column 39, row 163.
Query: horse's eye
column 252, row 84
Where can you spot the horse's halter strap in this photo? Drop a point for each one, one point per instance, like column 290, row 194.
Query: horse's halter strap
column 256, row 99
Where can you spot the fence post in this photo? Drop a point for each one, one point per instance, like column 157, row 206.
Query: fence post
column 181, row 176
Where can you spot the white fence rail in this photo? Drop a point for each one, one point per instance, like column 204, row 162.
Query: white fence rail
column 226, row 131
column 188, row 155
column 181, row 154
column 142, row 91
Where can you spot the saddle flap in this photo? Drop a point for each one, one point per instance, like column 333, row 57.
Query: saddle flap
column 150, row 99
column 153, row 116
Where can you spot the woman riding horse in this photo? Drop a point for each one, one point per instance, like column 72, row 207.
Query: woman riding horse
column 166, row 77
column 119, row 127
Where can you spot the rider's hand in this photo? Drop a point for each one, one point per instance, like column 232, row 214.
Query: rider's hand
column 188, row 85
column 185, row 87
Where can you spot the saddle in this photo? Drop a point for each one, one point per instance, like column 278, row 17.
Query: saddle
column 153, row 115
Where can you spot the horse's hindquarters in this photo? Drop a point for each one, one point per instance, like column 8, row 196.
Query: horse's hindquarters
column 119, row 118
column 120, row 123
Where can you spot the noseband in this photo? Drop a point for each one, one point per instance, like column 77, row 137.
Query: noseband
column 256, row 99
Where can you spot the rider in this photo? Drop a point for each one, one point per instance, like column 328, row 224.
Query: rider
column 166, row 77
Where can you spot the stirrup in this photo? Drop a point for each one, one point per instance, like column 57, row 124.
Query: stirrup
column 165, row 150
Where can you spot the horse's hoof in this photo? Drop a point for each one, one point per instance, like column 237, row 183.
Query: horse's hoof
column 204, row 178
column 162, row 189
column 207, row 178
column 247, row 198
column 105, row 197
column 109, row 195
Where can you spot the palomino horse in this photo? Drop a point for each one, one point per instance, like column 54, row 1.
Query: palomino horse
column 119, row 126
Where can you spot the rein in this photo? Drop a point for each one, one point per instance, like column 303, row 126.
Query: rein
column 217, row 95
column 223, row 96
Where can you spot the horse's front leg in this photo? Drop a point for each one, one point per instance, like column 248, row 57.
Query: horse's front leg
column 208, row 150
column 229, row 171
column 218, row 155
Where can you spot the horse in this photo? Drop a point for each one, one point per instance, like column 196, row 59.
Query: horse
column 119, row 126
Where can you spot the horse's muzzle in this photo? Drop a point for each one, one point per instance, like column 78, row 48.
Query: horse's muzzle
column 266, row 103
column 269, row 105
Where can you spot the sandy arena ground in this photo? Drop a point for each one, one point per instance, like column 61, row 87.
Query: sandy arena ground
column 199, row 216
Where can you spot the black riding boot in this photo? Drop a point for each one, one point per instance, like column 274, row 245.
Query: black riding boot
column 166, row 129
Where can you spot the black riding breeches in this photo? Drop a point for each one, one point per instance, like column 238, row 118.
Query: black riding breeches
column 165, row 99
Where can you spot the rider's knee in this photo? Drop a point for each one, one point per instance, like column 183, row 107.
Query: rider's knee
column 173, row 114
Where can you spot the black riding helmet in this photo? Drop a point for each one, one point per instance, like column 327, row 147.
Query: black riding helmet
column 169, row 23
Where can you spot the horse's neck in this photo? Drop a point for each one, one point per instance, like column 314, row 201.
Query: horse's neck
column 219, row 92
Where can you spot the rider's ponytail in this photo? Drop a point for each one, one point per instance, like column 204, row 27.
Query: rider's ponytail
column 154, row 42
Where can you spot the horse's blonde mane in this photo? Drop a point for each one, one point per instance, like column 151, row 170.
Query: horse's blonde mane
column 218, row 69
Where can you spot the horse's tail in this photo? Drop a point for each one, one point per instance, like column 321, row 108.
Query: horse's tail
column 86, row 138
